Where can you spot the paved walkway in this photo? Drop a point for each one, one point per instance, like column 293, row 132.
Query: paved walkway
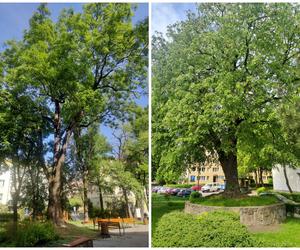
column 136, row 236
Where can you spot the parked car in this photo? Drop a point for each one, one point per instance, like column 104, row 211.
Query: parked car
column 169, row 190
column 211, row 187
column 155, row 189
column 196, row 188
column 175, row 191
column 162, row 190
column 184, row 192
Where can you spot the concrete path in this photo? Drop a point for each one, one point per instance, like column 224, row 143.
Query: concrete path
column 136, row 236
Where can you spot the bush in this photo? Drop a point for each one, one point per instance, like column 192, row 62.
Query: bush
column 30, row 234
column 99, row 213
column 294, row 196
column 4, row 217
column 195, row 196
column 214, row 229
column 179, row 185
column 3, row 209
column 261, row 190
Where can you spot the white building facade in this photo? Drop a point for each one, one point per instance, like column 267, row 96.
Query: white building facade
column 5, row 181
column 279, row 181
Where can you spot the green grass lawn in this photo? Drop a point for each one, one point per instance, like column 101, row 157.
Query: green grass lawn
column 287, row 234
column 217, row 200
column 162, row 205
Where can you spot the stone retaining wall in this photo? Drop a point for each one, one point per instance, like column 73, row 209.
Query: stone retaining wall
column 259, row 215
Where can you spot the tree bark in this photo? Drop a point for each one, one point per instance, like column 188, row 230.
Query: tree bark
column 256, row 178
column 128, row 210
column 287, row 179
column 55, row 210
column 229, row 165
column 101, row 198
column 85, row 198
column 260, row 172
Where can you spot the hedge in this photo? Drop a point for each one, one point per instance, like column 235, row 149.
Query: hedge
column 179, row 185
column 213, row 229
column 292, row 196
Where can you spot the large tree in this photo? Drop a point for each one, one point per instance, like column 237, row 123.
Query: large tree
column 219, row 74
column 83, row 68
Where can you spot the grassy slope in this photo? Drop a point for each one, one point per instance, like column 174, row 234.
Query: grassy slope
column 247, row 201
column 73, row 231
column 162, row 205
column 287, row 235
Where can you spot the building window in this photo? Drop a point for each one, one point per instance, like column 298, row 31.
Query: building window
column 192, row 178
column 1, row 183
column 1, row 195
column 222, row 177
column 215, row 169
column 207, row 178
column 202, row 178
column 203, row 169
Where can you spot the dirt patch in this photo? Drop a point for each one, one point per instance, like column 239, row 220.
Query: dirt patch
column 261, row 228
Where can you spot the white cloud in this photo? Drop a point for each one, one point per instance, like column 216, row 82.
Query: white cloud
column 162, row 16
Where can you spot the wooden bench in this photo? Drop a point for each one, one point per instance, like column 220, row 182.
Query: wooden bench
column 112, row 223
column 80, row 242
column 128, row 221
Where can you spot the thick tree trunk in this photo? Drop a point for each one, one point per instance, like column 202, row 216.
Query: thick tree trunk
column 85, row 198
column 287, row 179
column 55, row 210
column 229, row 165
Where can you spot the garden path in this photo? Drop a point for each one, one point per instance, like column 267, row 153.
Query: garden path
column 136, row 236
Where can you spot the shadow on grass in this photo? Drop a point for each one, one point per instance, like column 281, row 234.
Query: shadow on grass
column 72, row 231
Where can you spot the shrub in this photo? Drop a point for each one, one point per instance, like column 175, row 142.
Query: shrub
column 3, row 209
column 294, row 196
column 261, row 190
column 213, row 229
column 31, row 234
column 4, row 217
column 179, row 185
column 195, row 196
column 100, row 213
column 28, row 234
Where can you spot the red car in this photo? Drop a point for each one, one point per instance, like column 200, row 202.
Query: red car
column 196, row 188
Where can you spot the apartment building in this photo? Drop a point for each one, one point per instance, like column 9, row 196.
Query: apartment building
column 212, row 172
column 5, row 188
column 279, row 179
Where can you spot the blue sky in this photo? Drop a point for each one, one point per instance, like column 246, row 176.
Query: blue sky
column 164, row 14
column 14, row 19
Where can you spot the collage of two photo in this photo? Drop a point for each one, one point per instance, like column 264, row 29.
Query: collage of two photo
column 150, row 124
